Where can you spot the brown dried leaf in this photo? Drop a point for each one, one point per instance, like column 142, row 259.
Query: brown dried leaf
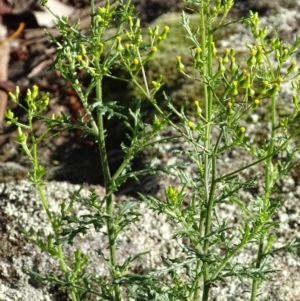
column 4, row 58
column 5, row 8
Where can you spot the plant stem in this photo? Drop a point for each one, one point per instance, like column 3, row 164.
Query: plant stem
column 108, row 181
column 209, row 160
column 38, row 182
column 109, row 200
column 268, row 188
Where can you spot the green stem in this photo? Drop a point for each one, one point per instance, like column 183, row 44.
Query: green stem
column 209, row 211
column 38, row 182
column 112, row 236
column 209, row 160
column 108, row 180
column 255, row 282
column 268, row 189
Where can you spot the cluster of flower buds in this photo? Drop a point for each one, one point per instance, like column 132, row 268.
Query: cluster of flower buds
column 35, row 105
column 253, row 22
column 156, row 85
column 104, row 15
column 221, row 7
column 256, row 56
column 130, row 51
column 295, row 98
column 83, row 60
column 134, row 31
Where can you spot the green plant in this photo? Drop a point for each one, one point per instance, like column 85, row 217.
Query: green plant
column 218, row 126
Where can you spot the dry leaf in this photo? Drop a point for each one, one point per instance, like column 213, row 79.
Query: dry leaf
column 4, row 58
column 45, row 18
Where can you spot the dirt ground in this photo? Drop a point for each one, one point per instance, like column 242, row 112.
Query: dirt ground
column 67, row 157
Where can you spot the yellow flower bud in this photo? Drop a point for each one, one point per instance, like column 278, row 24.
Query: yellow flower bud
column 134, row 64
column 130, row 23
column 83, row 50
column 225, row 56
column 291, row 68
column 155, row 32
column 221, row 68
column 28, row 95
column 119, row 45
column 241, row 133
column 191, row 125
column 151, row 53
column 233, row 66
column 252, row 60
column 230, row 110
column 35, row 91
column 284, row 55
column 150, row 32
column 250, row 91
column 12, row 96
column 198, row 109
column 197, row 56
column 260, row 54
column 214, row 50
column 255, row 104
column 179, row 64
column 274, row 90
column 101, row 48
column 295, row 100
column 163, row 36
column 137, row 24
column 234, row 89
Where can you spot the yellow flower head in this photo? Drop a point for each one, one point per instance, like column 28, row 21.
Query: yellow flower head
column 242, row 129
column 154, row 49
column 191, row 125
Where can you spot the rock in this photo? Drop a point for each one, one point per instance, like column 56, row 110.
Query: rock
column 20, row 204
column 11, row 171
